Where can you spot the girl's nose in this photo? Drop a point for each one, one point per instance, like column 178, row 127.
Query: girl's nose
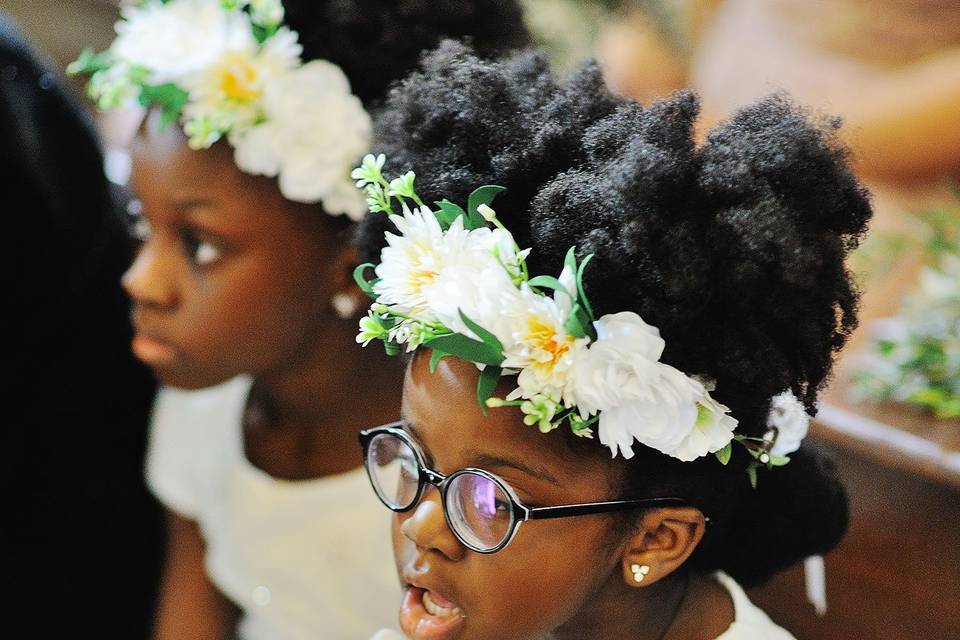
column 148, row 281
column 427, row 528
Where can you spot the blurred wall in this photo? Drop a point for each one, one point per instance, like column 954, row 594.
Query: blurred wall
column 63, row 28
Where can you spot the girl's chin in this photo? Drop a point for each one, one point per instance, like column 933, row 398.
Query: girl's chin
column 418, row 623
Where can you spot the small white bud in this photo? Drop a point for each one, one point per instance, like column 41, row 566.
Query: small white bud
column 488, row 214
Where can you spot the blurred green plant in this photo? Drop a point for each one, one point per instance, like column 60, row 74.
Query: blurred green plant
column 914, row 356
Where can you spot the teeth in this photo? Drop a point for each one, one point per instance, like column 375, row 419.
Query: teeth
column 436, row 610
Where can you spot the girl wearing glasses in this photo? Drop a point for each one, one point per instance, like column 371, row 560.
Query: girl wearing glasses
column 678, row 308
column 243, row 300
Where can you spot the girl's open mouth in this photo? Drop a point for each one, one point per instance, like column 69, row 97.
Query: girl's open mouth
column 426, row 615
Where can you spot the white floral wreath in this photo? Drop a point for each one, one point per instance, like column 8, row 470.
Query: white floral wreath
column 228, row 68
column 455, row 281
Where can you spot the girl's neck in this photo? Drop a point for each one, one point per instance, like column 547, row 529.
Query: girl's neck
column 675, row 608
column 322, row 379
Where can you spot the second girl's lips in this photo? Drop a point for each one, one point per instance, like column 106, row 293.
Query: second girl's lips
column 154, row 351
column 426, row 615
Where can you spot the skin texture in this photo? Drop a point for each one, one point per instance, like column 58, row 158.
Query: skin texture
column 232, row 278
column 560, row 578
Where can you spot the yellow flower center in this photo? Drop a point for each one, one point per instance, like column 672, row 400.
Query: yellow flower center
column 544, row 337
column 238, row 78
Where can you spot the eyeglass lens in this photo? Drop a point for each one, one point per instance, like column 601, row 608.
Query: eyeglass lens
column 478, row 508
column 394, row 470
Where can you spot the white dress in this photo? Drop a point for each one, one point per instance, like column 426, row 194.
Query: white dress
column 304, row 560
column 749, row 621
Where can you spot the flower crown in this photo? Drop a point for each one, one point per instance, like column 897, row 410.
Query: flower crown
column 228, row 68
column 455, row 281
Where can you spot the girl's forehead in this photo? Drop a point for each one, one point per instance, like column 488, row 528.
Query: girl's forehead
column 449, row 424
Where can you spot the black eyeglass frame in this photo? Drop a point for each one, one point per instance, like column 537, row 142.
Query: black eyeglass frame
column 519, row 513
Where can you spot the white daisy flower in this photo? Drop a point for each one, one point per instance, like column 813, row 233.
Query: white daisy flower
column 176, row 39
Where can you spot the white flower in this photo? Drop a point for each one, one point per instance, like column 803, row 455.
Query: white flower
column 230, row 92
column 266, row 12
column 412, row 260
column 789, row 417
column 712, row 431
column 313, row 131
column 642, row 399
column 177, row 39
column 540, row 347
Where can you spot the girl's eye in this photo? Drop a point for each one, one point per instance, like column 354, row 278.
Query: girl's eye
column 200, row 252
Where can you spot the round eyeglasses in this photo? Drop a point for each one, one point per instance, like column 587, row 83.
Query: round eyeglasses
column 482, row 510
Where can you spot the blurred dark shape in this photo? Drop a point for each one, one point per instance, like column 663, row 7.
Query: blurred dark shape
column 82, row 533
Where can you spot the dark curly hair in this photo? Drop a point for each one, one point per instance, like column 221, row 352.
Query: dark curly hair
column 734, row 249
column 376, row 42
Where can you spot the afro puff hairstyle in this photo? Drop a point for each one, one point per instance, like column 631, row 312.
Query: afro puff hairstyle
column 376, row 42
column 735, row 249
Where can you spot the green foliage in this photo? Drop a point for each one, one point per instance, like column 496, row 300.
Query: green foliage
column 169, row 97
column 481, row 195
column 365, row 285
column 914, row 358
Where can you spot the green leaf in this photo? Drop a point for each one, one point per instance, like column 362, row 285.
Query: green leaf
column 486, row 385
column 392, row 348
column 570, row 260
column 574, row 324
column 365, row 285
column 481, row 195
column 89, row 63
column 580, row 292
column 435, row 357
column 547, row 282
column 752, row 474
column 169, row 97
column 448, row 213
column 466, row 348
column 779, row 461
column 488, row 338
column 724, row 454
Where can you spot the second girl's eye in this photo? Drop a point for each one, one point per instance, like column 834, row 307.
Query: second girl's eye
column 201, row 252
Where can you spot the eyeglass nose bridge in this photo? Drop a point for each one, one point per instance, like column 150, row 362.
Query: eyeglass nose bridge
column 432, row 477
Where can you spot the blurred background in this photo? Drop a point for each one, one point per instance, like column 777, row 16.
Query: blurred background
column 891, row 70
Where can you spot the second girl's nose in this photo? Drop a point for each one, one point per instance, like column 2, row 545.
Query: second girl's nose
column 149, row 281
column 427, row 528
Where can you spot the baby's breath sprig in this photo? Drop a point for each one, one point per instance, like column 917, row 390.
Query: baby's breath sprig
column 380, row 191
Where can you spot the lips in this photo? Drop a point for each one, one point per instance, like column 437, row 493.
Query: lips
column 426, row 615
column 155, row 352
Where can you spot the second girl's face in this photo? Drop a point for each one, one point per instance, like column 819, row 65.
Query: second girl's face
column 231, row 277
column 552, row 571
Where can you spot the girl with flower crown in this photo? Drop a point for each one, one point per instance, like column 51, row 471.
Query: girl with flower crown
column 615, row 337
column 244, row 297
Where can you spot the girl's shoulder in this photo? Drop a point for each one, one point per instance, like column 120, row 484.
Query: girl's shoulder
column 750, row 622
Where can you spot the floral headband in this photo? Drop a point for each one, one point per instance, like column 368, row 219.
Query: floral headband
column 455, row 281
column 228, row 68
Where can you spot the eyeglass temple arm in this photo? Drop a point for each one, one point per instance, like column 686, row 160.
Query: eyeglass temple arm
column 563, row 511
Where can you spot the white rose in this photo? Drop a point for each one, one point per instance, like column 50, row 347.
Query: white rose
column 642, row 399
column 789, row 417
column 314, row 130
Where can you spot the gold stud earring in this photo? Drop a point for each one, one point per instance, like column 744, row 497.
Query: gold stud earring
column 639, row 571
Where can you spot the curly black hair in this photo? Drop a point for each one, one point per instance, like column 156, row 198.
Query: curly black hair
column 734, row 248
column 376, row 42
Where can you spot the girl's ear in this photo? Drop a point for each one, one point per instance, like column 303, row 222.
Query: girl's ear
column 663, row 540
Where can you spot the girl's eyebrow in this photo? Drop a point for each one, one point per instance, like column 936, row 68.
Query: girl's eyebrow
column 484, row 460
